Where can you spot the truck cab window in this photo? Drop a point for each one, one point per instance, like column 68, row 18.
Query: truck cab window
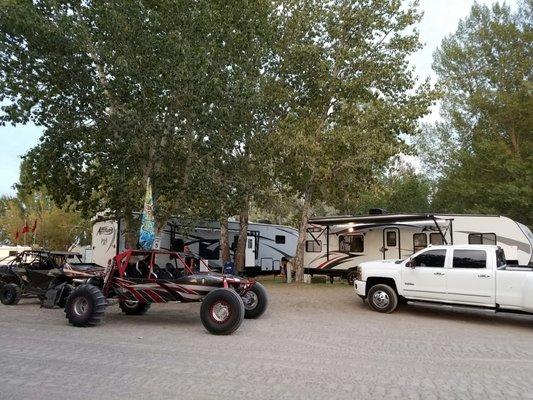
column 469, row 259
column 431, row 258
column 352, row 243
column 420, row 241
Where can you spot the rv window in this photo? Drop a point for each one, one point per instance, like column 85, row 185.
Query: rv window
column 209, row 250
column 280, row 239
column 250, row 243
column 352, row 243
column 311, row 246
column 391, row 239
column 176, row 244
column 435, row 239
column 469, row 259
column 420, row 241
column 482, row 238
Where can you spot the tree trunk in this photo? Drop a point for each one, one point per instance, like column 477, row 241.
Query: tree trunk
column 224, row 240
column 240, row 254
column 131, row 237
column 302, row 234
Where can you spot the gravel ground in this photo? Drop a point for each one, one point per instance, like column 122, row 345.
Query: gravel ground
column 314, row 342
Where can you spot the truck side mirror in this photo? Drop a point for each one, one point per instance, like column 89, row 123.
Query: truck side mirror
column 410, row 264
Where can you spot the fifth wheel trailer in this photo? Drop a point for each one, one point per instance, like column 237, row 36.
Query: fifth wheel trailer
column 336, row 245
column 266, row 244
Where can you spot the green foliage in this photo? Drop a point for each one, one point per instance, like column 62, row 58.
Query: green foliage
column 348, row 94
column 57, row 227
column 128, row 90
column 483, row 150
column 401, row 190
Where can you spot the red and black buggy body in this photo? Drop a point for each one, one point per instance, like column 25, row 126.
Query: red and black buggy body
column 138, row 278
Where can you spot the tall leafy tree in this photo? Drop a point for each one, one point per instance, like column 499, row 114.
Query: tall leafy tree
column 484, row 145
column 127, row 90
column 348, row 93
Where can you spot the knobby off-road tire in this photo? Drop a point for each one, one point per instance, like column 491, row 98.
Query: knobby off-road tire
column 222, row 311
column 85, row 306
column 382, row 298
column 134, row 307
column 10, row 294
column 255, row 301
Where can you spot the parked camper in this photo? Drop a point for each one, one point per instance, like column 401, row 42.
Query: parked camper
column 336, row 245
column 266, row 245
column 8, row 253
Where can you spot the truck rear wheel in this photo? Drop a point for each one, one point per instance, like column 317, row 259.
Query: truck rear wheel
column 133, row 307
column 85, row 306
column 222, row 311
column 10, row 294
column 255, row 301
column 382, row 298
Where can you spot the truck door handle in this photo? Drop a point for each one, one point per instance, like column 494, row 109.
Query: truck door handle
column 438, row 273
column 483, row 276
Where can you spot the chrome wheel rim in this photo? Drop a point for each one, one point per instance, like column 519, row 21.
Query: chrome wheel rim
column 250, row 300
column 130, row 304
column 80, row 306
column 220, row 311
column 381, row 299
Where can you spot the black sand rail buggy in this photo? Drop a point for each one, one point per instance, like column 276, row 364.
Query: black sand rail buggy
column 49, row 275
column 139, row 278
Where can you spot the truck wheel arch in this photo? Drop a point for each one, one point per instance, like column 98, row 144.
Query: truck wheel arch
column 372, row 281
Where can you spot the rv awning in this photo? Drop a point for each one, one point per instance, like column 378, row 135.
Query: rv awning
column 372, row 219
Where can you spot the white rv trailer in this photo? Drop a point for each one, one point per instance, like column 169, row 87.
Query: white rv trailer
column 266, row 244
column 336, row 245
column 8, row 253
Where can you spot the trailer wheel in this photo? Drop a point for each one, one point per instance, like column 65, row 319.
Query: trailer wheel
column 10, row 294
column 255, row 301
column 350, row 277
column 85, row 306
column 133, row 307
column 222, row 311
column 382, row 298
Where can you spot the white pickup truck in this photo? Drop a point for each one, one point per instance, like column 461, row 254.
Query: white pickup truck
column 473, row 275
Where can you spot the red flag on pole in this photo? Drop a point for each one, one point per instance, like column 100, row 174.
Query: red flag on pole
column 34, row 226
column 26, row 228
column 17, row 234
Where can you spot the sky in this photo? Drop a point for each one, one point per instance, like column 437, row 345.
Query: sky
column 440, row 19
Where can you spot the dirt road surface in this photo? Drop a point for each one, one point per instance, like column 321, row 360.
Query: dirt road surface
column 314, row 342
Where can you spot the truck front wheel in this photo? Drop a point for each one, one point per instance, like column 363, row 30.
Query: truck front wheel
column 382, row 298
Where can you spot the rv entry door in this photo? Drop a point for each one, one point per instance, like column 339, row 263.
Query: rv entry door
column 391, row 243
column 250, row 251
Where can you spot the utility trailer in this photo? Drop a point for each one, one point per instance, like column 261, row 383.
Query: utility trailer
column 335, row 246
column 266, row 244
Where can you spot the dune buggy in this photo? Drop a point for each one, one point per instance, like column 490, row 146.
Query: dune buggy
column 139, row 278
column 49, row 275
